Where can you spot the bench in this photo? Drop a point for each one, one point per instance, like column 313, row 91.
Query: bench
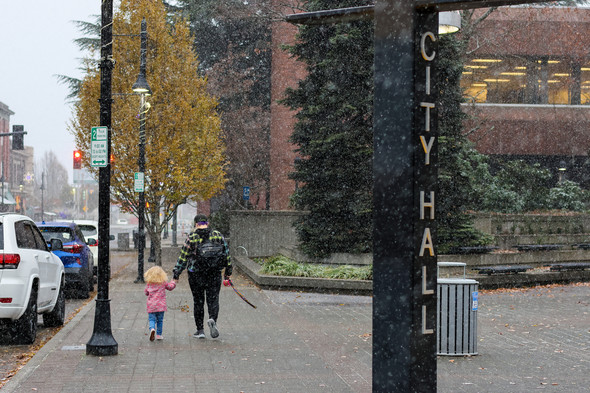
column 568, row 266
column 502, row 269
column 473, row 250
column 538, row 247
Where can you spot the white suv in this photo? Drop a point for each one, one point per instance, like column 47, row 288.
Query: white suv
column 31, row 279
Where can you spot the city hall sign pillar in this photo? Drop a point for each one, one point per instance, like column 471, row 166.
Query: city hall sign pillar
column 405, row 198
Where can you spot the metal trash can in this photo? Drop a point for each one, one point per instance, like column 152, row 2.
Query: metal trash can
column 456, row 315
column 123, row 241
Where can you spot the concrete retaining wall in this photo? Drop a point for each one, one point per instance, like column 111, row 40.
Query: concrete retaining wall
column 260, row 233
column 514, row 229
column 533, row 258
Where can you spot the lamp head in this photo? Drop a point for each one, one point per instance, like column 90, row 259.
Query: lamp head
column 449, row 22
column 141, row 86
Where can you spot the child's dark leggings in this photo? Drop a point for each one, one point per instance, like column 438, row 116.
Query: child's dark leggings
column 205, row 286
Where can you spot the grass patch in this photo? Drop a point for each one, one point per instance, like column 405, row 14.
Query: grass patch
column 280, row 265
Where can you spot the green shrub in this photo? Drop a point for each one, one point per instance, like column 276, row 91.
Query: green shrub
column 567, row 196
column 280, row 265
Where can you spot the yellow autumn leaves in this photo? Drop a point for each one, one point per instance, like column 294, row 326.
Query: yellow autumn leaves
column 185, row 153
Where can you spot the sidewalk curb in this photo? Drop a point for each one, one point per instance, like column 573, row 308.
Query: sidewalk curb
column 50, row 346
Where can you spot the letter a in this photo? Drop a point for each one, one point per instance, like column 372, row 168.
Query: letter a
column 427, row 243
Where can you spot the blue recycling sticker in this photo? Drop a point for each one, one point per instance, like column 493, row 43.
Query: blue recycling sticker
column 474, row 302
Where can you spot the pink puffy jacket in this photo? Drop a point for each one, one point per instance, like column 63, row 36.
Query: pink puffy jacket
column 156, row 294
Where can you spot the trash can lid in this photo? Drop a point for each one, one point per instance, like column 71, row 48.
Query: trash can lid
column 456, row 281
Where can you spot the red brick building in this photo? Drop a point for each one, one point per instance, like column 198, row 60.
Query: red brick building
column 285, row 72
column 528, row 84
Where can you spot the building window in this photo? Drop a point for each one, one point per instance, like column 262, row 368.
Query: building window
column 526, row 81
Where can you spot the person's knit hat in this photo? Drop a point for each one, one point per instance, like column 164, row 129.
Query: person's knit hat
column 201, row 218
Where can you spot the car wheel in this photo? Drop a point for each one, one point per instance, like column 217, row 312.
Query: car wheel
column 90, row 282
column 83, row 289
column 56, row 316
column 83, row 292
column 25, row 328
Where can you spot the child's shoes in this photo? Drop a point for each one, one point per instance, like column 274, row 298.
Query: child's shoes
column 152, row 334
column 158, row 337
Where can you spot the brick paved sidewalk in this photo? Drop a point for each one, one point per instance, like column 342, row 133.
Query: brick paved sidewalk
column 291, row 342
column 529, row 340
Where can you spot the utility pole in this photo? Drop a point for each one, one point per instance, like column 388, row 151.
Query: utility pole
column 42, row 196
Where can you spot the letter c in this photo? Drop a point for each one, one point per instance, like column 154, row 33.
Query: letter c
column 423, row 46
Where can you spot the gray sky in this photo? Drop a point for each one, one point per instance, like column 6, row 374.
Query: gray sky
column 36, row 42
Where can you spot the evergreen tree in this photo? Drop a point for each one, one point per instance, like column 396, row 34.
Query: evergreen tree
column 334, row 134
column 461, row 167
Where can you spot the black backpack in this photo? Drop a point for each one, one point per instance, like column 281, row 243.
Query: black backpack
column 211, row 254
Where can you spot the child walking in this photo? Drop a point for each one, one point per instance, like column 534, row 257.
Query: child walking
column 155, row 289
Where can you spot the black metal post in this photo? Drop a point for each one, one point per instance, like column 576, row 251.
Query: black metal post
column 141, row 159
column 102, row 342
column 175, row 227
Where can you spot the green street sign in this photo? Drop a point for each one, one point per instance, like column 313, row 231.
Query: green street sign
column 138, row 184
column 99, row 146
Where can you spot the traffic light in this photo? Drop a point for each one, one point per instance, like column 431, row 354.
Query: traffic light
column 18, row 137
column 77, row 159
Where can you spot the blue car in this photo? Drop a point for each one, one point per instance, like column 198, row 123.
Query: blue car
column 76, row 256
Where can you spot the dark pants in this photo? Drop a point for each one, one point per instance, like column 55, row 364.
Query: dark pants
column 205, row 286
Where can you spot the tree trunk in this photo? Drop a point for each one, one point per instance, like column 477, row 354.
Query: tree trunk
column 156, row 234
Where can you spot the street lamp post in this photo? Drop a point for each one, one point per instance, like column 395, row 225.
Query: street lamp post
column 562, row 168
column 142, row 87
column 102, row 342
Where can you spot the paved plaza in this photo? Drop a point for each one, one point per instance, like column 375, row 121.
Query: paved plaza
column 528, row 340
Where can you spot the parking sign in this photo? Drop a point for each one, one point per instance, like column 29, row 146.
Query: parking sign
column 99, row 146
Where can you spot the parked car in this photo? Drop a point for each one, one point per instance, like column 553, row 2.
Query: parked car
column 32, row 279
column 76, row 256
column 90, row 230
